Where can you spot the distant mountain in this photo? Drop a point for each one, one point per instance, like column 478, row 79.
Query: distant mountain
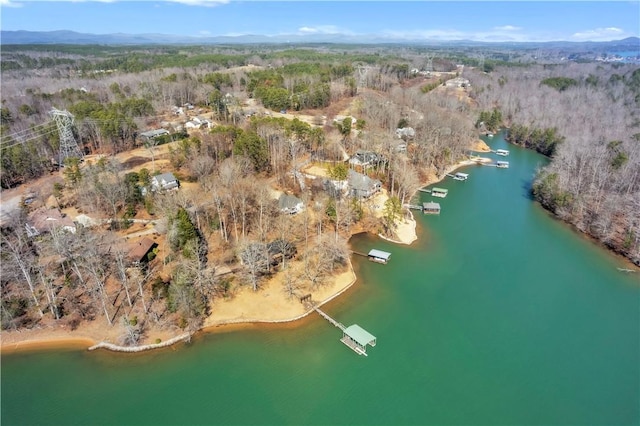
column 72, row 37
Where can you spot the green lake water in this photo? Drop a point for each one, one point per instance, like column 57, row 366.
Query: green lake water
column 498, row 315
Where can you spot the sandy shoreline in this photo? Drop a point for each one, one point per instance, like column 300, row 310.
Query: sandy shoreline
column 247, row 308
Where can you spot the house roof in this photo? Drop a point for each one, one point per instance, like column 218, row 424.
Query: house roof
column 431, row 206
column 167, row 177
column 154, row 133
column 359, row 334
column 44, row 219
column 140, row 249
column 288, row 201
column 361, row 182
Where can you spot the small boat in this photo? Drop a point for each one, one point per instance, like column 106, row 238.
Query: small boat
column 490, row 135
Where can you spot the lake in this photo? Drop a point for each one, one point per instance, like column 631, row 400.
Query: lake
column 499, row 314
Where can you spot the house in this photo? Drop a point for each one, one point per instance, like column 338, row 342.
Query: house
column 152, row 134
column 193, row 124
column 364, row 158
column 290, row 204
column 405, row 133
column 362, row 186
column 44, row 220
column 204, row 123
column 164, row 181
column 139, row 251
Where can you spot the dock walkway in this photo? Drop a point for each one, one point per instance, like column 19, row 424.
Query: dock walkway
column 328, row 318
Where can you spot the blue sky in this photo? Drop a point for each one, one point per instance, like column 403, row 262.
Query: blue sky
column 452, row 20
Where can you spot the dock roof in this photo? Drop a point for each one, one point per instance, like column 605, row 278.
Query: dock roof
column 439, row 190
column 380, row 254
column 431, row 206
column 360, row 335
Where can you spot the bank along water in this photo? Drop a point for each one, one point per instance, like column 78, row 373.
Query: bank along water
column 498, row 314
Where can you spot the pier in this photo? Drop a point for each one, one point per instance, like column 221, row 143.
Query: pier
column 427, row 191
column 326, row 316
column 354, row 337
column 413, row 207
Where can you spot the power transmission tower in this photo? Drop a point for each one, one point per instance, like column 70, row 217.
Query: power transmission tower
column 429, row 67
column 363, row 70
column 68, row 145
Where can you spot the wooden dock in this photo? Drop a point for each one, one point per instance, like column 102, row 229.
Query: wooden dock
column 428, row 191
column 328, row 318
column 413, row 207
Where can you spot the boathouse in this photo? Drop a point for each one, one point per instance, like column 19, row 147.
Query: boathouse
column 461, row 176
column 357, row 338
column 379, row 256
column 439, row 192
column 431, row 208
column 502, row 164
column 502, row 152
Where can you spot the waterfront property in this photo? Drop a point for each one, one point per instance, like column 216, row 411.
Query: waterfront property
column 357, row 338
column 379, row 256
column 502, row 152
column 439, row 192
column 431, row 208
column 502, row 164
column 362, row 186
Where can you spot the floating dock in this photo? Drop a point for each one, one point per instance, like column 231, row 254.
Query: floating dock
column 502, row 152
column 502, row 164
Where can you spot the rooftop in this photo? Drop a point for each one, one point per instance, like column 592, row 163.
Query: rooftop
column 360, row 335
column 379, row 254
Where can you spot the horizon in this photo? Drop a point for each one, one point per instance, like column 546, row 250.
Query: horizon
column 477, row 21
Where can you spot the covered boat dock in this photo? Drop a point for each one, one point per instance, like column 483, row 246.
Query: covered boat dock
column 439, row 192
column 431, row 208
column 379, row 256
column 357, row 338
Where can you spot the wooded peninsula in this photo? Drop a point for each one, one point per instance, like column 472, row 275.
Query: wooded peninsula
column 151, row 191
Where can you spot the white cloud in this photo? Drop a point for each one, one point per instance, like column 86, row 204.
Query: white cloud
column 323, row 29
column 206, row 3
column 507, row 28
column 599, row 34
column 9, row 3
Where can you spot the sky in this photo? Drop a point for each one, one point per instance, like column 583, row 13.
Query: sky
column 451, row 20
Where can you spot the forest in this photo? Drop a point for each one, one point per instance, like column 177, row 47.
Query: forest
column 242, row 127
column 586, row 118
column 270, row 115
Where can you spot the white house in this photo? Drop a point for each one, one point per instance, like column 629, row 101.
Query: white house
column 165, row 181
